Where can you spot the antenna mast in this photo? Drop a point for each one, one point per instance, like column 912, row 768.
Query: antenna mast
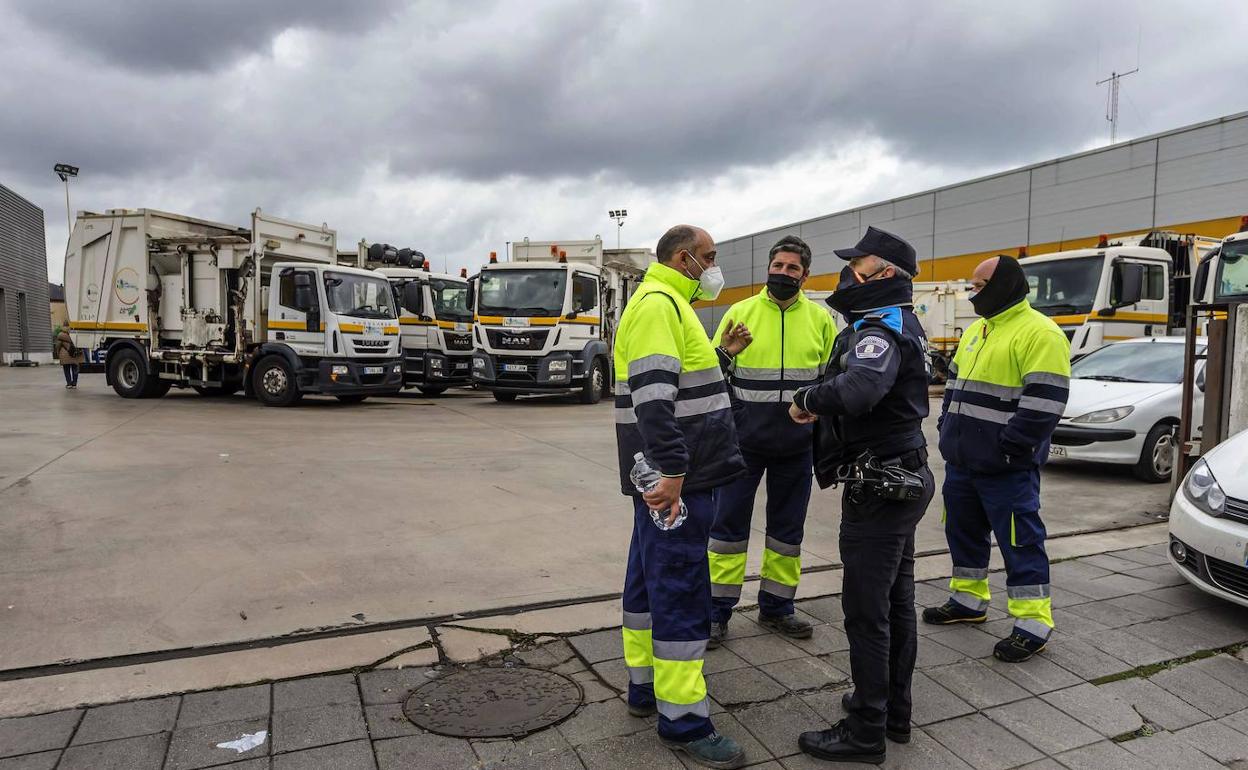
column 1111, row 102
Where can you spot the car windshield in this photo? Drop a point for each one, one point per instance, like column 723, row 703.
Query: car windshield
column 1063, row 287
column 450, row 300
column 522, row 292
column 1132, row 362
column 360, row 296
column 1233, row 270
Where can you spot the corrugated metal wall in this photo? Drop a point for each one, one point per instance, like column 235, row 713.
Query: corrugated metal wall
column 1192, row 179
column 23, row 279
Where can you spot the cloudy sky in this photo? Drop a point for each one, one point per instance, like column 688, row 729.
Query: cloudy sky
column 456, row 126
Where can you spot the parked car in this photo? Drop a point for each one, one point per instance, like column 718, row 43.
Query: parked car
column 1209, row 522
column 1124, row 406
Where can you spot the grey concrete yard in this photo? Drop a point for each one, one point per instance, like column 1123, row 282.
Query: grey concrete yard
column 136, row 526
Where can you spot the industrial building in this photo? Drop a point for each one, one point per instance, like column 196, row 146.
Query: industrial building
column 1191, row 180
column 25, row 327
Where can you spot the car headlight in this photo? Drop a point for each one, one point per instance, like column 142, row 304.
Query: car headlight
column 338, row 369
column 558, row 366
column 1203, row 489
column 1105, row 415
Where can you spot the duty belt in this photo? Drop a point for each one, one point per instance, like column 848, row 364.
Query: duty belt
column 893, row 479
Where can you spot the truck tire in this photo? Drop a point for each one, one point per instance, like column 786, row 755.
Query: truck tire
column 431, row 390
column 595, row 383
column 1156, row 463
column 215, row 391
column 353, row 399
column 274, row 382
column 128, row 372
column 505, row 398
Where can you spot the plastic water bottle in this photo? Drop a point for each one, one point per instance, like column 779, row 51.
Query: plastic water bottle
column 646, row 478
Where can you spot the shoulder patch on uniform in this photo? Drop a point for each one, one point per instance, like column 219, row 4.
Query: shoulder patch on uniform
column 870, row 347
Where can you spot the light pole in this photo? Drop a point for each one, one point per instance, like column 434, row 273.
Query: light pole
column 65, row 171
column 618, row 215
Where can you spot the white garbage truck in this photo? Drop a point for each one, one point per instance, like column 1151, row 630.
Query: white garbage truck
column 435, row 322
column 546, row 320
column 159, row 300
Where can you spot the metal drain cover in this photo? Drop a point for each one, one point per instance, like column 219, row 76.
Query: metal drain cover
column 493, row 702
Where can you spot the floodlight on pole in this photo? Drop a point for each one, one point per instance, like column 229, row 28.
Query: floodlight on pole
column 618, row 215
column 65, row 171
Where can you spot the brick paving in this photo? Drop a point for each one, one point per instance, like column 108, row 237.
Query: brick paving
column 1143, row 672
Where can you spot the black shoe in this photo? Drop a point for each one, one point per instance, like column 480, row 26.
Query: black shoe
column 951, row 612
column 786, row 625
column 896, row 735
column 1018, row 647
column 641, row 712
column 719, row 632
column 836, row 744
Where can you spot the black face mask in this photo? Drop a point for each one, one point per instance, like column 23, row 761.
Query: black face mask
column 782, row 287
column 853, row 300
column 1005, row 289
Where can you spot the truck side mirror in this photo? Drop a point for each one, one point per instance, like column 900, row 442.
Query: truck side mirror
column 1200, row 380
column 305, row 293
column 1200, row 281
column 1127, row 287
column 471, row 299
column 414, row 298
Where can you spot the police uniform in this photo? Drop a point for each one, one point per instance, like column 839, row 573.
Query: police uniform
column 873, row 399
column 790, row 350
column 672, row 405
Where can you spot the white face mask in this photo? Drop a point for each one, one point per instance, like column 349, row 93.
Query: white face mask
column 711, row 283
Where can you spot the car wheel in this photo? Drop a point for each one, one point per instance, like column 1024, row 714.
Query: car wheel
column 1158, row 456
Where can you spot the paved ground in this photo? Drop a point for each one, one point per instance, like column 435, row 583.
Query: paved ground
column 1143, row 672
column 136, row 526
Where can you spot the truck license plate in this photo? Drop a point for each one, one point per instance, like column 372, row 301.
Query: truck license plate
column 1057, row 451
column 461, row 365
column 515, row 368
column 374, row 369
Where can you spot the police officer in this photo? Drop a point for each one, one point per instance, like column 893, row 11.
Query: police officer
column 792, row 339
column 869, row 408
column 672, row 409
column 1010, row 381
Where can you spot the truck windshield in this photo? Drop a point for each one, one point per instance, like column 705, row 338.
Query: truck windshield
column 522, row 292
column 450, row 300
column 359, row 295
column 1065, row 286
column 1233, row 270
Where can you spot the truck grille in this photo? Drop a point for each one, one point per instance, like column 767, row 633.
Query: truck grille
column 371, row 347
column 458, row 341
column 505, row 339
column 1228, row 576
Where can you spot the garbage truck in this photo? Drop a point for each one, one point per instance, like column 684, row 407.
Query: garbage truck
column 545, row 321
column 159, row 300
column 435, row 322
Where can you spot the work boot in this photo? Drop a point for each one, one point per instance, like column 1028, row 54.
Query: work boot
column 714, row 750
column 719, row 632
column 1018, row 647
column 643, row 711
column 951, row 612
column 786, row 625
column 894, row 734
column 837, row 744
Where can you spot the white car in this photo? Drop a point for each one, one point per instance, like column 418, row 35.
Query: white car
column 1124, row 406
column 1209, row 522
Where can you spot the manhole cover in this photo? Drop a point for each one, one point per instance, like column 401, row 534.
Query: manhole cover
column 493, row 702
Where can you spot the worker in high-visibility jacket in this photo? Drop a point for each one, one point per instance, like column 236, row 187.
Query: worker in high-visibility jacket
column 672, row 409
column 1008, row 386
column 791, row 340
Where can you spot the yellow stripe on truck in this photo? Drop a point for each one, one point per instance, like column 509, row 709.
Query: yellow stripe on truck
column 293, row 326
column 104, row 326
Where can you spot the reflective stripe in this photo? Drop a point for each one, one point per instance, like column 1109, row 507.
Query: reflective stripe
column 970, row 573
column 727, row 546
column 638, row 621
column 624, row 415
column 777, row 589
column 726, row 567
column 641, row 674
column 800, row 373
column 782, row 548
column 969, row 601
column 700, row 377
column 756, row 373
column 675, row 710
column 980, row 412
column 769, row 374
column 1034, row 627
column 667, row 650
column 1041, row 405
column 726, row 590
column 621, row 388
column 758, row 396
column 1046, row 378
column 1027, row 592
column 656, row 362
column 1004, row 392
column 705, row 405
column 656, row 391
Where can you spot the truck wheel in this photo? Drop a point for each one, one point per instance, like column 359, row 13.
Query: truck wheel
column 128, row 372
column 431, row 390
column 595, row 383
column 1157, row 458
column 355, row 399
column 505, row 398
column 274, row 382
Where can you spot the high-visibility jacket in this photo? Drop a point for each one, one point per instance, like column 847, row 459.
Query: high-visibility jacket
column 1010, row 382
column 790, row 351
column 671, row 401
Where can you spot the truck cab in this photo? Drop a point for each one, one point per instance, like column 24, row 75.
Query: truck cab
column 1223, row 275
column 436, row 328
